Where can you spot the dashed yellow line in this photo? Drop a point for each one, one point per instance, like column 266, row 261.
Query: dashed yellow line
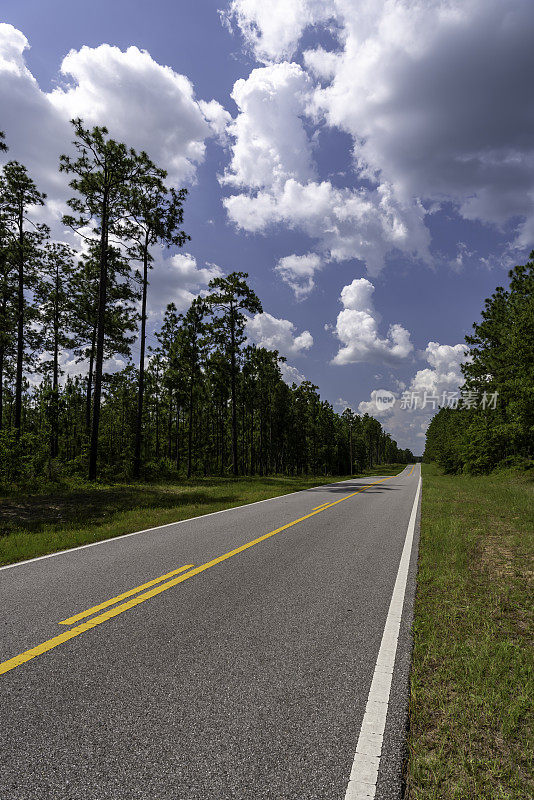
column 50, row 644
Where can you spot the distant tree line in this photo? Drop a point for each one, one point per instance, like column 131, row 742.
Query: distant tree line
column 200, row 400
column 475, row 439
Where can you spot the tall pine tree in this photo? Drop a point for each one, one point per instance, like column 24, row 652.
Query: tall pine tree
column 19, row 194
column 104, row 171
column 155, row 216
column 228, row 298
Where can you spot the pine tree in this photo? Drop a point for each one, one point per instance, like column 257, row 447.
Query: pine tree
column 8, row 294
column 155, row 215
column 348, row 418
column 53, row 295
column 120, row 316
column 228, row 299
column 105, row 171
column 190, row 343
column 169, row 354
column 19, row 193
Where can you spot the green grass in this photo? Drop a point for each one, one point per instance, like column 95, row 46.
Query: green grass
column 471, row 684
column 35, row 524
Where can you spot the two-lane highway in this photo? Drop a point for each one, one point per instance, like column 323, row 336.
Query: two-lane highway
column 243, row 654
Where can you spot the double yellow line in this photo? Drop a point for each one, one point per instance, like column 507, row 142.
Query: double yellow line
column 190, row 571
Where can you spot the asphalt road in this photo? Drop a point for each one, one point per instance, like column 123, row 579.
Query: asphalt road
column 247, row 679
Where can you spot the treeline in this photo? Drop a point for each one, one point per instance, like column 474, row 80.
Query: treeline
column 495, row 423
column 200, row 401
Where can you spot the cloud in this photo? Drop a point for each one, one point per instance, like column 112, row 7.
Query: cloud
column 273, row 167
column 436, row 97
column 145, row 104
column 35, row 133
column 291, row 374
column 270, row 143
column 70, row 366
column 444, row 374
column 149, row 105
column 374, row 409
column 178, row 280
column 342, row 404
column 272, row 30
column 298, row 272
column 408, row 421
column 217, row 117
column 463, row 255
column 357, row 329
column 321, row 63
column 277, row 334
column 347, row 224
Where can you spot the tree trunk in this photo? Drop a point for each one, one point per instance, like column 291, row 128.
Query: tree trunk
column 217, row 428
column 169, row 428
column 102, row 297
column 2, row 349
column 20, row 326
column 260, row 453
column 223, row 441
column 2, row 359
column 54, row 444
column 156, row 397
column 177, row 436
column 90, row 383
column 233, row 385
column 140, row 393
column 243, row 444
column 190, row 432
column 252, row 465
column 1, row 388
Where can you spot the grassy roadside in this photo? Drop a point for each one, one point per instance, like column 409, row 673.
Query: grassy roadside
column 35, row 524
column 471, row 683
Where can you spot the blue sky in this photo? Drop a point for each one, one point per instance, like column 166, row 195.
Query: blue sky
column 372, row 168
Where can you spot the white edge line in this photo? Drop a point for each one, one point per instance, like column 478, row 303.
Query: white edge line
column 177, row 522
column 364, row 773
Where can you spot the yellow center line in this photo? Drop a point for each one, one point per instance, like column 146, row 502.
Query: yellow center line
column 28, row 655
column 123, row 596
column 323, row 505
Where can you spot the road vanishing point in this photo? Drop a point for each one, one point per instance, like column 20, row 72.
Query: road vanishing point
column 258, row 653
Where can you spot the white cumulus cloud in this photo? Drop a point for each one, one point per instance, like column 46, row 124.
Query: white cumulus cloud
column 444, row 373
column 178, row 279
column 146, row 104
column 357, row 329
column 277, row 334
column 438, row 383
column 291, row 374
column 298, row 271
column 348, row 224
column 272, row 166
column 374, row 409
column 273, row 29
column 437, row 97
column 270, row 143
